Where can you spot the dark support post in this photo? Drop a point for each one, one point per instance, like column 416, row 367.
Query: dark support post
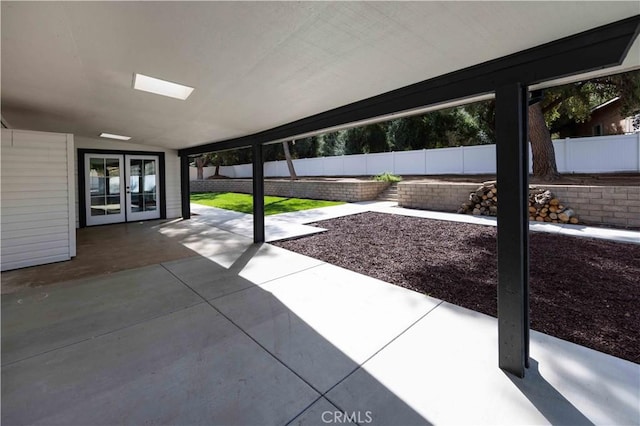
column 185, row 191
column 513, row 228
column 258, row 194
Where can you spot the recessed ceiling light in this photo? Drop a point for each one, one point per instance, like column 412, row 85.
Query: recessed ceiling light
column 161, row 87
column 112, row 136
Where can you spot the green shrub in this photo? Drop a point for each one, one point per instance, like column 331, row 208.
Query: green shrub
column 387, row 177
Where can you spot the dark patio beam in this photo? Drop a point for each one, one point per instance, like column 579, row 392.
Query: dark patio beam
column 587, row 51
column 258, row 194
column 513, row 227
column 185, row 190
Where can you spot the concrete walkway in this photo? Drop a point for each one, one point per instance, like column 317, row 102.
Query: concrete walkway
column 256, row 335
column 294, row 224
column 277, row 227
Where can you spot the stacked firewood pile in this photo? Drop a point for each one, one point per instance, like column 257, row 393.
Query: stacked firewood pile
column 543, row 205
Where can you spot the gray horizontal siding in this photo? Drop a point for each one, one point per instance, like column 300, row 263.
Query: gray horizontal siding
column 35, row 213
column 35, row 231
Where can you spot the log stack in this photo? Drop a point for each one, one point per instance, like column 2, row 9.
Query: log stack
column 543, row 205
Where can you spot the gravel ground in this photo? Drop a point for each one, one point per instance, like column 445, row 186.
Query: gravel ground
column 582, row 290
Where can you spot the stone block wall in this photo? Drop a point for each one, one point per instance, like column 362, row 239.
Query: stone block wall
column 222, row 185
column 608, row 205
column 594, row 205
column 350, row 191
column 445, row 197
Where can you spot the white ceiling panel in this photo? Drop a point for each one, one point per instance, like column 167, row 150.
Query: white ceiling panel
column 68, row 66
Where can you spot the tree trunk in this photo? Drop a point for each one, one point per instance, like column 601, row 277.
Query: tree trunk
column 200, row 166
column 287, row 156
column 544, row 157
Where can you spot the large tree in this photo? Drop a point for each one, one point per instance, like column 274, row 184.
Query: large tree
column 559, row 106
column 287, row 156
column 542, row 152
column 201, row 162
column 575, row 103
column 223, row 158
column 217, row 159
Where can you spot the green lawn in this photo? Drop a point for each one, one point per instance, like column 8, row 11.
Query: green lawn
column 244, row 202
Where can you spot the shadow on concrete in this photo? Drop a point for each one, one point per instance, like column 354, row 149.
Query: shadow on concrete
column 186, row 363
column 547, row 400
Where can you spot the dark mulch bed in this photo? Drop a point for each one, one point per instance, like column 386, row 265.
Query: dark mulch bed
column 582, row 290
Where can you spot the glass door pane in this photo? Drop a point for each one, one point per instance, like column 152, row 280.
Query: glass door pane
column 135, row 179
column 114, row 195
column 142, row 190
column 97, row 187
column 104, row 189
column 149, row 185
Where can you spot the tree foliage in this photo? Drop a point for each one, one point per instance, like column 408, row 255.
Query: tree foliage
column 305, row 148
column 331, row 144
column 407, row 133
column 574, row 103
column 458, row 126
column 366, row 139
column 454, row 127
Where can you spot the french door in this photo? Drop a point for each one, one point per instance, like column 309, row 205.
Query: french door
column 121, row 188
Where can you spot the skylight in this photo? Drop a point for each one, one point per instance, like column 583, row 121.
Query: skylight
column 112, row 136
column 161, row 87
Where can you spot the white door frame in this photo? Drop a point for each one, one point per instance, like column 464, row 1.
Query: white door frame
column 144, row 215
column 126, row 214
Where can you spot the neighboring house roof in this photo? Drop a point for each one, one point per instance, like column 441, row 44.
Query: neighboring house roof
column 605, row 119
column 609, row 102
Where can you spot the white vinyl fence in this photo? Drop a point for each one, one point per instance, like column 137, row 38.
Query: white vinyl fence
column 602, row 154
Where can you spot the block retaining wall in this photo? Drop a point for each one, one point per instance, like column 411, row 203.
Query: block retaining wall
column 594, row 205
column 445, row 197
column 350, row 191
column 608, row 205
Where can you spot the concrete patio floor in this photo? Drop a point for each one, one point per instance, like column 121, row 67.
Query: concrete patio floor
column 102, row 250
column 251, row 334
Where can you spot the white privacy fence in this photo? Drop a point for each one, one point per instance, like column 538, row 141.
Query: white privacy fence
column 602, row 154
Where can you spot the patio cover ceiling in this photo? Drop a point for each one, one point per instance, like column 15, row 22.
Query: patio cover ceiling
column 68, row 66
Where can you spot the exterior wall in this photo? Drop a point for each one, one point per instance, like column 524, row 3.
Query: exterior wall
column 37, row 198
column 594, row 205
column 609, row 118
column 605, row 154
column 321, row 190
column 172, row 168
